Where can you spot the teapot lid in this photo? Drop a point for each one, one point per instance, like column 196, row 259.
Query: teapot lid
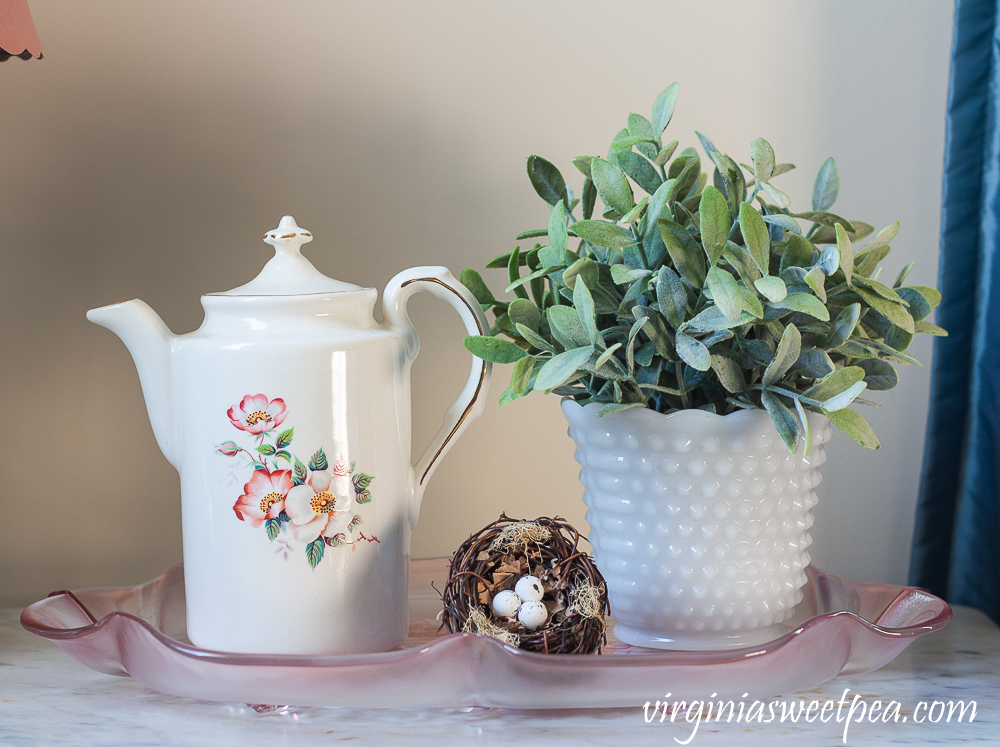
column 288, row 272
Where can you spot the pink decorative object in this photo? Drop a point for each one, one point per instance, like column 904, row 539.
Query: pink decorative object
column 18, row 37
column 840, row 627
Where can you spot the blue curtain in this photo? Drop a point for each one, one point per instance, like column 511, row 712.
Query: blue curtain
column 956, row 544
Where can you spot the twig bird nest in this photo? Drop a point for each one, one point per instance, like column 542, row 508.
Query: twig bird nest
column 557, row 608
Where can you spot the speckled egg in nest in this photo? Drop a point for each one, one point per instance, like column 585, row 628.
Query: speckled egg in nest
column 541, row 553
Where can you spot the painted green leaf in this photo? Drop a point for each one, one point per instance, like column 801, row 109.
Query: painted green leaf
column 827, row 186
column 546, row 179
column 762, row 157
column 687, row 256
column 318, row 461
column 361, row 481
column 314, row 551
column 756, row 236
column 273, row 528
column 785, row 356
column 602, row 233
column 365, row 496
column 784, row 422
column 725, row 293
column 854, row 426
column 477, row 286
column 355, row 522
column 493, row 349
column 612, row 185
column 663, row 108
column 283, row 455
column 772, row 288
column 562, row 368
column 285, row 438
column 259, row 465
column 693, row 352
column 299, row 473
column 804, row 303
column 265, row 449
column 713, row 213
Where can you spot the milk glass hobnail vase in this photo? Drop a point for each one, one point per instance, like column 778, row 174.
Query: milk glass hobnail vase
column 699, row 522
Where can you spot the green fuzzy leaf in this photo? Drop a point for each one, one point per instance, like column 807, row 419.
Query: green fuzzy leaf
column 846, row 250
column 730, row 374
column 785, row 221
column 919, row 307
column 566, row 327
column 903, row 274
column 623, row 275
column 494, row 349
column 477, row 287
column 655, row 327
column 835, row 383
column 785, row 356
column 557, row 231
column 265, row 449
column 898, row 338
column 883, row 238
column 712, row 320
column 814, row 364
column 585, row 268
column 772, row 288
column 284, row 438
column 725, row 293
column 713, row 212
column 523, row 311
column 799, row 253
column 845, row 398
column 784, row 422
column 693, row 352
column 762, row 157
column 522, row 374
column 829, row 259
column 804, row 422
column 687, row 256
column 757, row 351
column 665, row 152
column 314, row 551
column 582, row 164
column 562, row 369
column 589, row 198
column 514, row 273
column 299, row 473
column 927, row 328
column 879, row 374
column 639, row 170
column 613, row 407
column 894, row 312
column 602, row 233
column 756, row 237
column 854, row 426
column 607, row 355
column 671, row 296
column 751, row 303
column 780, row 198
column 273, row 527
column 844, row 325
column 827, row 235
column 826, row 186
column 547, row 181
column 584, row 304
column 816, row 280
column 804, row 303
column 656, row 206
column 534, row 338
column 611, row 185
column 663, row 108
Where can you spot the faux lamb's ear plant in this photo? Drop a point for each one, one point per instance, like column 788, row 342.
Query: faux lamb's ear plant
column 695, row 295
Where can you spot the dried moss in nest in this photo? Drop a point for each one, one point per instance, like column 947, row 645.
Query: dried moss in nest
column 493, row 559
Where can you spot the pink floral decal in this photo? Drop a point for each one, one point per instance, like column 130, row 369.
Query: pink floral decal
column 255, row 414
column 296, row 504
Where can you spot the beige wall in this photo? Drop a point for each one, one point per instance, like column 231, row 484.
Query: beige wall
column 156, row 142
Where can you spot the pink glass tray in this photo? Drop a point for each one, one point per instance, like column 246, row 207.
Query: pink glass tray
column 840, row 627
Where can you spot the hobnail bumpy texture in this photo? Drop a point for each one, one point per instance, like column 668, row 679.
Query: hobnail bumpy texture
column 699, row 522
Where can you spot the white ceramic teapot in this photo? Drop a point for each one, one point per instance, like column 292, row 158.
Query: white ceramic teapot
column 287, row 414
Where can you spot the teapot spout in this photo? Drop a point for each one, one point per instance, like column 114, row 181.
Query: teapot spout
column 150, row 342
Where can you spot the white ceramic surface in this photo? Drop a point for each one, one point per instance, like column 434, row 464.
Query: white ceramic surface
column 287, row 414
column 699, row 522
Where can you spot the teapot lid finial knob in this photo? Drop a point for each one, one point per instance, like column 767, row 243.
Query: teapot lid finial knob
column 287, row 236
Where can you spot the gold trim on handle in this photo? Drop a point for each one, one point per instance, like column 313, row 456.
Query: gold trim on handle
column 482, row 373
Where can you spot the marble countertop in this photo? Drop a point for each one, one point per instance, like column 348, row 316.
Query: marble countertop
column 48, row 698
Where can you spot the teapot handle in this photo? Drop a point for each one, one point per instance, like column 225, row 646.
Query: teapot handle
column 440, row 283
